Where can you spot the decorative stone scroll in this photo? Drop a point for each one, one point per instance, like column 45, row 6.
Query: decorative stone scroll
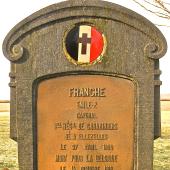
column 85, row 87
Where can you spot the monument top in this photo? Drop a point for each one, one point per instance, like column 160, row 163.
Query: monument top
column 70, row 10
column 109, row 108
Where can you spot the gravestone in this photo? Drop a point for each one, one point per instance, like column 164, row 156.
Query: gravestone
column 85, row 87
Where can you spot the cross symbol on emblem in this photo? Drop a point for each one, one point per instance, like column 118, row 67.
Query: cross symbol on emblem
column 84, row 40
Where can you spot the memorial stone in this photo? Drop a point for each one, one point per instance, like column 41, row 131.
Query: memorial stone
column 85, row 88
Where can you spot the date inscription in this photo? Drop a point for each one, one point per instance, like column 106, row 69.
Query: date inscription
column 85, row 123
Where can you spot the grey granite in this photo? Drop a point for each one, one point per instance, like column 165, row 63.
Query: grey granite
column 35, row 50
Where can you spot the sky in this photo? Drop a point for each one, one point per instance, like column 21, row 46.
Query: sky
column 12, row 12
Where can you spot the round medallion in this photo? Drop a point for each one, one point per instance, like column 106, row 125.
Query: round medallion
column 84, row 45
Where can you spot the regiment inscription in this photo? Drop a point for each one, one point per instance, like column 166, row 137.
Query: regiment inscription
column 85, row 87
column 85, row 123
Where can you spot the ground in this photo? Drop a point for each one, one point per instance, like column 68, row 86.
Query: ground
column 8, row 148
column 162, row 145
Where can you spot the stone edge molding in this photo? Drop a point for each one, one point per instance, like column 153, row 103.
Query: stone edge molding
column 13, row 50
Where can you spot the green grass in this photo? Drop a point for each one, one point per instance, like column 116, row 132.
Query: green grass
column 162, row 145
column 8, row 148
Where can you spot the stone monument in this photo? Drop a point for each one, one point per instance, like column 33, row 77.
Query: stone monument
column 85, row 87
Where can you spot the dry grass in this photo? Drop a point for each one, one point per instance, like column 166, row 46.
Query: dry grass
column 4, row 106
column 162, row 145
column 8, row 148
column 165, row 105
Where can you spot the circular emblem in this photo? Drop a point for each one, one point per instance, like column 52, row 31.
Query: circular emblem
column 84, row 45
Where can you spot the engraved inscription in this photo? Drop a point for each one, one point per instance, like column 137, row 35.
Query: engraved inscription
column 85, row 123
column 87, row 92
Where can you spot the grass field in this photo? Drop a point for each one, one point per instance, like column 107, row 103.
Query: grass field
column 8, row 148
column 162, row 145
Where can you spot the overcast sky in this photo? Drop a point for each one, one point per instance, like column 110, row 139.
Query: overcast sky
column 12, row 12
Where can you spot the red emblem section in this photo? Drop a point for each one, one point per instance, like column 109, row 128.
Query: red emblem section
column 97, row 45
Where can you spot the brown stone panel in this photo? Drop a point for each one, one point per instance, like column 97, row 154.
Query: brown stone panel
column 79, row 129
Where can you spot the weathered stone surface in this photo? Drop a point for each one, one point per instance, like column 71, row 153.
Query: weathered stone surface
column 35, row 49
